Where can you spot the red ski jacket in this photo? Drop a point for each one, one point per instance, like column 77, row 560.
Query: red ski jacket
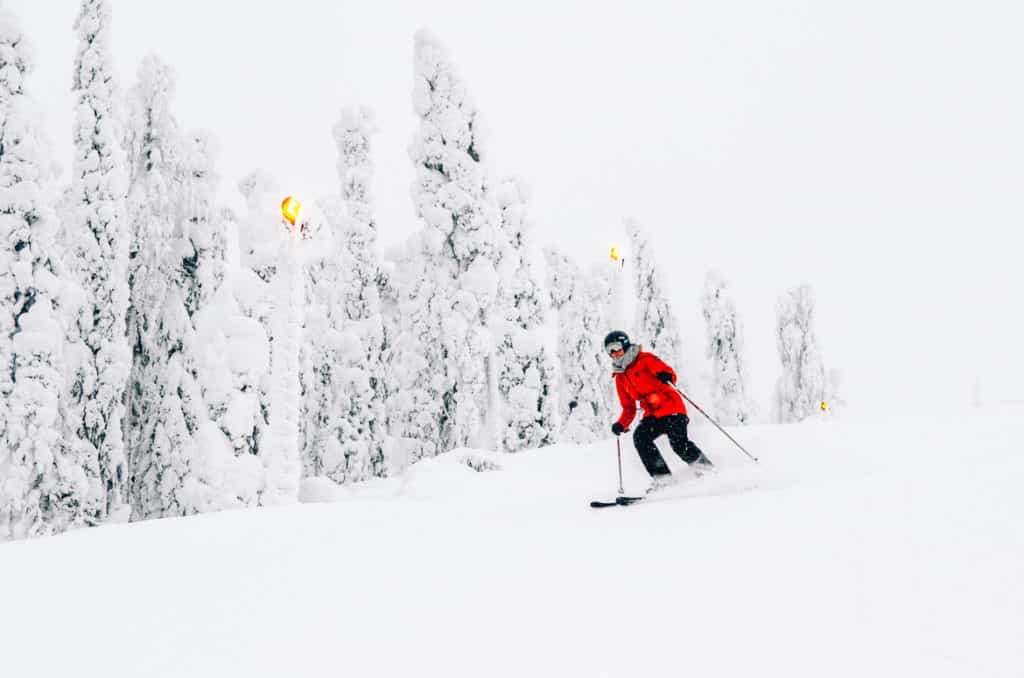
column 638, row 382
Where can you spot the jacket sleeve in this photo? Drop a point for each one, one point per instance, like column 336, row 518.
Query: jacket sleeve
column 628, row 405
column 656, row 364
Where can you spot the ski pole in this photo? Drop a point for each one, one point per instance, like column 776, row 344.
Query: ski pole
column 724, row 432
column 618, row 446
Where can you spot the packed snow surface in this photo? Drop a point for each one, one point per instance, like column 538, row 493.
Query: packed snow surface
column 856, row 548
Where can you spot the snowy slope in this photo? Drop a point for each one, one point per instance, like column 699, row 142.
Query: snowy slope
column 882, row 548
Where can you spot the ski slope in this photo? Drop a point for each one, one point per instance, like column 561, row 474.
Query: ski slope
column 868, row 548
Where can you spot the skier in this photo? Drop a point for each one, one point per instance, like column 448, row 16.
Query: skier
column 643, row 376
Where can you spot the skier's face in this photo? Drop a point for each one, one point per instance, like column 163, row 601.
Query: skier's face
column 615, row 349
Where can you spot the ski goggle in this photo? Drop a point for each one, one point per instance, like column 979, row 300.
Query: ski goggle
column 614, row 347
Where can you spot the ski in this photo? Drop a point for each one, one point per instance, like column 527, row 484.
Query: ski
column 619, row 501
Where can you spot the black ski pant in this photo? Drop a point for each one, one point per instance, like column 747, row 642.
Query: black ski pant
column 674, row 426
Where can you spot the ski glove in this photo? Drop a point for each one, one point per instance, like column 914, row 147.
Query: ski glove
column 664, row 376
column 617, row 428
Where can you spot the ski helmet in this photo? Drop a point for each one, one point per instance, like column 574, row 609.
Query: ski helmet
column 616, row 340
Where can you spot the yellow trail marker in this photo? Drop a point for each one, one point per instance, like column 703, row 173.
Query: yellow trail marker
column 290, row 209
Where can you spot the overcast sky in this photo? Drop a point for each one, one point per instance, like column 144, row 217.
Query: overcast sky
column 873, row 149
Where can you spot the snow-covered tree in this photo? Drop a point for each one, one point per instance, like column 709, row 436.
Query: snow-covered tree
column 167, row 479
column 353, row 135
column 152, row 140
column 100, row 252
column 234, row 361
column 460, row 242
column 317, row 360
column 528, row 370
column 247, row 417
column 151, row 134
column 729, row 401
column 177, row 265
column 363, row 277
column 420, row 402
column 45, row 486
column 804, row 384
column 587, row 393
column 656, row 325
column 208, row 472
column 204, row 243
column 347, row 387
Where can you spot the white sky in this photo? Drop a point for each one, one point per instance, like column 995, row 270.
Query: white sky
column 873, row 149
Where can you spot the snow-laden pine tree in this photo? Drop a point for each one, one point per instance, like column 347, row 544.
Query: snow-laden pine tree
column 152, row 142
column 587, row 393
column 804, row 384
column 246, row 419
column 416, row 404
column 656, row 326
column 196, row 469
column 358, row 422
column 204, row 243
column 167, row 480
column 345, row 424
column 528, row 369
column 460, row 241
column 234, row 361
column 100, row 246
column 179, row 253
column 45, row 486
column 318, row 361
column 729, row 401
column 602, row 297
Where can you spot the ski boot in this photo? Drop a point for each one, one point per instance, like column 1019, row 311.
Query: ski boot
column 701, row 465
column 660, row 482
